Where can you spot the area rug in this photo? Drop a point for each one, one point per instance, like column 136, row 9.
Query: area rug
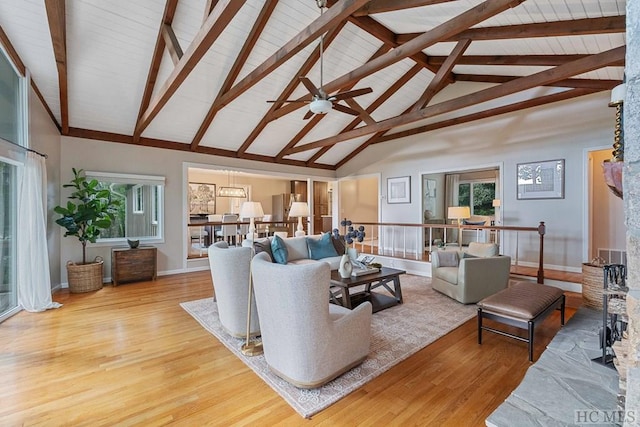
column 396, row 333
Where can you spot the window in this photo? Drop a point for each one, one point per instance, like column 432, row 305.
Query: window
column 478, row 195
column 132, row 219
column 13, row 130
column 138, row 199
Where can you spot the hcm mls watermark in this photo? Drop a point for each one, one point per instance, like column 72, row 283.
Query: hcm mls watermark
column 595, row 416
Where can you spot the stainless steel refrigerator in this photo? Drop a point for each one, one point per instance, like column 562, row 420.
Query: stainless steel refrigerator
column 281, row 203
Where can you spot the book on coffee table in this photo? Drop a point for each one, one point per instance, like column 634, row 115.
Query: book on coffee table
column 357, row 271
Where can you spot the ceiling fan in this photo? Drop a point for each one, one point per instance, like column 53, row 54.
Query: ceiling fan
column 320, row 102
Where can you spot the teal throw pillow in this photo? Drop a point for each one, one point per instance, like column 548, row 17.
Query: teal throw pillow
column 279, row 250
column 321, row 248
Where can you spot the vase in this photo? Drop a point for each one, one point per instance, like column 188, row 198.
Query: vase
column 345, row 267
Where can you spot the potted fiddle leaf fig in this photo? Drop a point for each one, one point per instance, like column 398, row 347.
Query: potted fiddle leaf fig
column 91, row 208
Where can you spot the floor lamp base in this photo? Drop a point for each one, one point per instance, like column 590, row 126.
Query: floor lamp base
column 254, row 348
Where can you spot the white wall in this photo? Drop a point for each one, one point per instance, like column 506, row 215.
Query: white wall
column 558, row 131
column 126, row 158
column 45, row 138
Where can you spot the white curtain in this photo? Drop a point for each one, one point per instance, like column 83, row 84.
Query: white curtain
column 34, row 284
column 452, row 182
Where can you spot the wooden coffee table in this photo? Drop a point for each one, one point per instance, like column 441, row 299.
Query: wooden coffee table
column 379, row 301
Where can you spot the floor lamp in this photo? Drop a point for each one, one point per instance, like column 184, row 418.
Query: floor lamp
column 300, row 210
column 251, row 210
column 459, row 213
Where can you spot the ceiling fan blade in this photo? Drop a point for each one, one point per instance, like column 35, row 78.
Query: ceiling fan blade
column 352, row 93
column 345, row 109
column 308, row 115
column 282, row 101
column 311, row 87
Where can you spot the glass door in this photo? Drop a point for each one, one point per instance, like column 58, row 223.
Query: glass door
column 8, row 238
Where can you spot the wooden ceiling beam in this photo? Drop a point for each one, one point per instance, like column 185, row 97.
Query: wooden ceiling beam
column 215, row 24
column 172, row 43
column 528, row 60
column 413, row 71
column 293, row 84
column 381, row 6
column 179, row 146
column 241, row 59
column 573, row 27
column 504, row 109
column 56, row 15
column 379, row 137
column 439, row 80
column 336, row 14
column 156, row 58
column 445, row 30
column 569, row 83
column 542, row 78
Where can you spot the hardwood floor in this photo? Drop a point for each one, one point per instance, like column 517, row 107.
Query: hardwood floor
column 131, row 356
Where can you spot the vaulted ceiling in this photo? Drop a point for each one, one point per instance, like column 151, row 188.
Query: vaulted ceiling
column 196, row 75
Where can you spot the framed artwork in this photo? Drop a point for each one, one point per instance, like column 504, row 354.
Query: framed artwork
column 202, row 198
column 399, row 190
column 540, row 180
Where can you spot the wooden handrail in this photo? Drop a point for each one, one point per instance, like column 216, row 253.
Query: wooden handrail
column 540, row 229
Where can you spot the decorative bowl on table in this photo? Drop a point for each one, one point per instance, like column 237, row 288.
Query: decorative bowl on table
column 133, row 243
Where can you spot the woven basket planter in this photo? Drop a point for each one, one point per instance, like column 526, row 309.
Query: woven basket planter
column 85, row 277
column 592, row 285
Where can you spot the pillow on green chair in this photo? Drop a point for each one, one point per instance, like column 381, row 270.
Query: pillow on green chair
column 321, row 248
column 279, row 250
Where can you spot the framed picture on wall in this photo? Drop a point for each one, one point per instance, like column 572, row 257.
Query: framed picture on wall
column 541, row 180
column 202, row 198
column 399, row 190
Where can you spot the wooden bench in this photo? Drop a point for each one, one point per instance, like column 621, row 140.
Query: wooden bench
column 520, row 305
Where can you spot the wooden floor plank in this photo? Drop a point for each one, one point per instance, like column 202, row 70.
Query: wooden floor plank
column 131, row 355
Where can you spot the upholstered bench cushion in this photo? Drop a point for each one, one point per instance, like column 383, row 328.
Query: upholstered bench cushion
column 522, row 300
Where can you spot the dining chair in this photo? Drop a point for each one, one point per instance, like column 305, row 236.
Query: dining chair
column 229, row 228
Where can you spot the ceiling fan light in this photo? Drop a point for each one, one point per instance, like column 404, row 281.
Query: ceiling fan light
column 320, row 106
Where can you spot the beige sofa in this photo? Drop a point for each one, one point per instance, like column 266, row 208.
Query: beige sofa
column 298, row 251
column 471, row 275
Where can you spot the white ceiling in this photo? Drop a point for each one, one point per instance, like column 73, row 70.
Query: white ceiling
column 110, row 46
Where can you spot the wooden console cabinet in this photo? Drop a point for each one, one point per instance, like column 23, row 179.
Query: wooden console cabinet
column 133, row 265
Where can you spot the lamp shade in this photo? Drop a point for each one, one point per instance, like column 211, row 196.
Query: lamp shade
column 618, row 93
column 459, row 212
column 299, row 209
column 496, row 203
column 251, row 210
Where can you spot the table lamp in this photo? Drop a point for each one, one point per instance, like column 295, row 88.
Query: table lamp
column 459, row 213
column 251, row 210
column 300, row 210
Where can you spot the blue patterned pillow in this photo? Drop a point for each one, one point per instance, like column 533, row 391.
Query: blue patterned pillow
column 321, row 248
column 279, row 250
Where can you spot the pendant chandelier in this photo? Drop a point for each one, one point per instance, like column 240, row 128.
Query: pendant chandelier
column 230, row 190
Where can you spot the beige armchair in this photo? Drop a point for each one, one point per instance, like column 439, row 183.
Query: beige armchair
column 307, row 341
column 230, row 270
column 470, row 276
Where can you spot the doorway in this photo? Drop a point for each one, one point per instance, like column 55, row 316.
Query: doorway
column 606, row 227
